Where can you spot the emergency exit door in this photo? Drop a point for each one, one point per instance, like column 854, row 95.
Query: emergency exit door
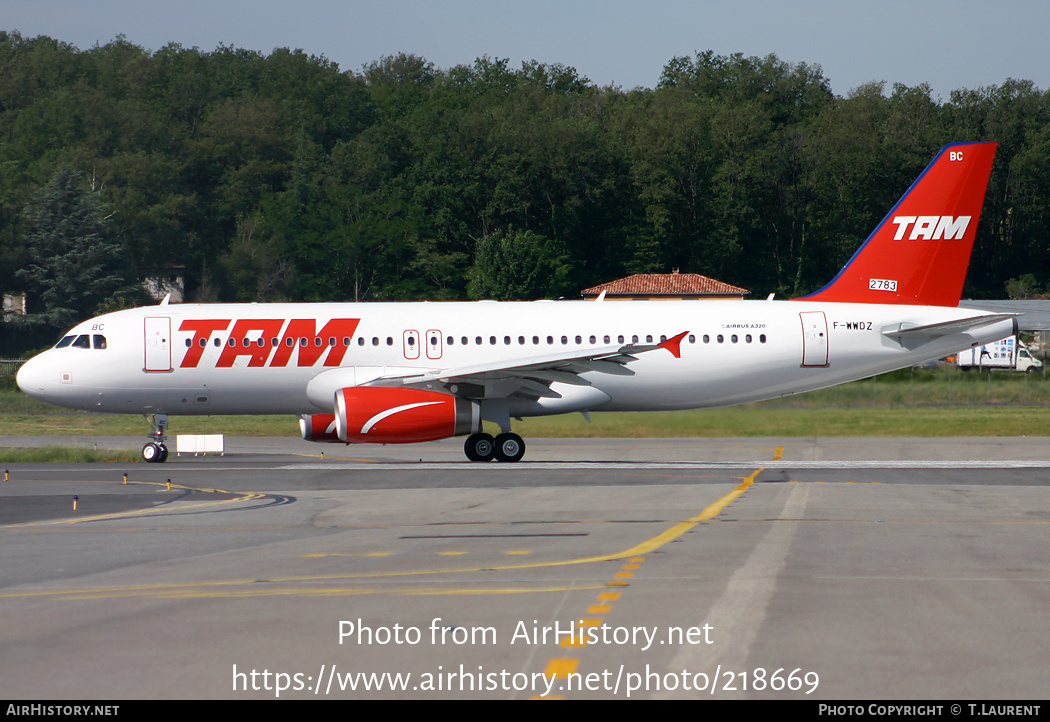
column 157, row 341
column 814, row 338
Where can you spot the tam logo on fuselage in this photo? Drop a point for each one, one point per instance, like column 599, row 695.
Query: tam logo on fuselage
column 270, row 341
column 931, row 228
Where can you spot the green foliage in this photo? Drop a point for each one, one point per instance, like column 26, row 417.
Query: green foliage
column 74, row 264
column 517, row 266
column 278, row 176
column 1023, row 287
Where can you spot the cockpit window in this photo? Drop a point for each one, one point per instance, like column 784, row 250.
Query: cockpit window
column 65, row 341
column 82, row 341
column 98, row 341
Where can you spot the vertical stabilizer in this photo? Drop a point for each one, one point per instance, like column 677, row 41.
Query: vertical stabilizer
column 920, row 251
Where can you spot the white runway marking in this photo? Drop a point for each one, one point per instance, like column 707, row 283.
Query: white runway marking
column 685, row 465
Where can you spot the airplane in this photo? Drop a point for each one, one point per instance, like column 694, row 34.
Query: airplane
column 419, row 371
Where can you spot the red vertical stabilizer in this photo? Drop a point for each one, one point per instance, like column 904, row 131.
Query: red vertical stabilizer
column 920, row 251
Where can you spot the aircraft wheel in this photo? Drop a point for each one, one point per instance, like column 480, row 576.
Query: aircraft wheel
column 479, row 447
column 509, row 447
column 163, row 454
column 151, row 453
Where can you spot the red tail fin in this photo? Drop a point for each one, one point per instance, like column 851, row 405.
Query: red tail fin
column 920, row 251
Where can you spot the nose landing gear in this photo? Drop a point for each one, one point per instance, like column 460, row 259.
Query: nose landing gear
column 155, row 452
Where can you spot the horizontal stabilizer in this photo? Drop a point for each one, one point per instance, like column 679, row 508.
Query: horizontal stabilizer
column 934, row 330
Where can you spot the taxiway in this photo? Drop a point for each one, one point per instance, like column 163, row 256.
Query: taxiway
column 723, row 568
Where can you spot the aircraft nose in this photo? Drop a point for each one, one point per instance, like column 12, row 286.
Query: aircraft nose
column 31, row 378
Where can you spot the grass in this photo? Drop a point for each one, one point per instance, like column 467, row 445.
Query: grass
column 63, row 454
column 912, row 402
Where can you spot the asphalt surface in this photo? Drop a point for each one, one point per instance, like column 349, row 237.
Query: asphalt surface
column 607, row 568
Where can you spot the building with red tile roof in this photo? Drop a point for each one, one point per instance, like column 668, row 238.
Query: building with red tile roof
column 665, row 286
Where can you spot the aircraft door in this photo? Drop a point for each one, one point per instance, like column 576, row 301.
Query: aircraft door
column 411, row 344
column 433, row 343
column 157, row 342
column 814, row 338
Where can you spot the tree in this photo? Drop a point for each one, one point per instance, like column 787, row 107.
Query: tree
column 74, row 265
column 516, row 266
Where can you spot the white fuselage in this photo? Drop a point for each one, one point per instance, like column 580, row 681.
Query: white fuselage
column 262, row 358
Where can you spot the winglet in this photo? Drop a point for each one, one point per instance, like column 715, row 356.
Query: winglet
column 674, row 344
column 920, row 252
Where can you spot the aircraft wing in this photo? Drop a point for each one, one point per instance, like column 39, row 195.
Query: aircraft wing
column 531, row 377
column 944, row 328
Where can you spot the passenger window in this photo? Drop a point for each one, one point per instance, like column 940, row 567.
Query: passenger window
column 634, row 338
column 762, row 338
column 707, row 339
column 720, row 338
column 506, row 340
column 389, row 341
column 492, row 340
column 692, row 338
column 203, row 342
column 100, row 341
column 579, row 340
column 619, row 339
column 606, row 338
column 218, row 342
column 188, row 343
column 648, row 338
column 748, row 338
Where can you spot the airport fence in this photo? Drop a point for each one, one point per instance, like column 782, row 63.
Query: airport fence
column 8, row 369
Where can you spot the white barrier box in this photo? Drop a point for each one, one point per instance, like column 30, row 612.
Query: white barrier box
column 200, row 444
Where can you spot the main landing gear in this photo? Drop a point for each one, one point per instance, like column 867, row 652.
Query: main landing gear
column 505, row 447
column 155, row 452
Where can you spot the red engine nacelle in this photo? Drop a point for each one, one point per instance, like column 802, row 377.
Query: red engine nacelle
column 319, row 427
column 394, row 415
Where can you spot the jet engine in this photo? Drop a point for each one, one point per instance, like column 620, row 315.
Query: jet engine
column 318, row 427
column 394, row 415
